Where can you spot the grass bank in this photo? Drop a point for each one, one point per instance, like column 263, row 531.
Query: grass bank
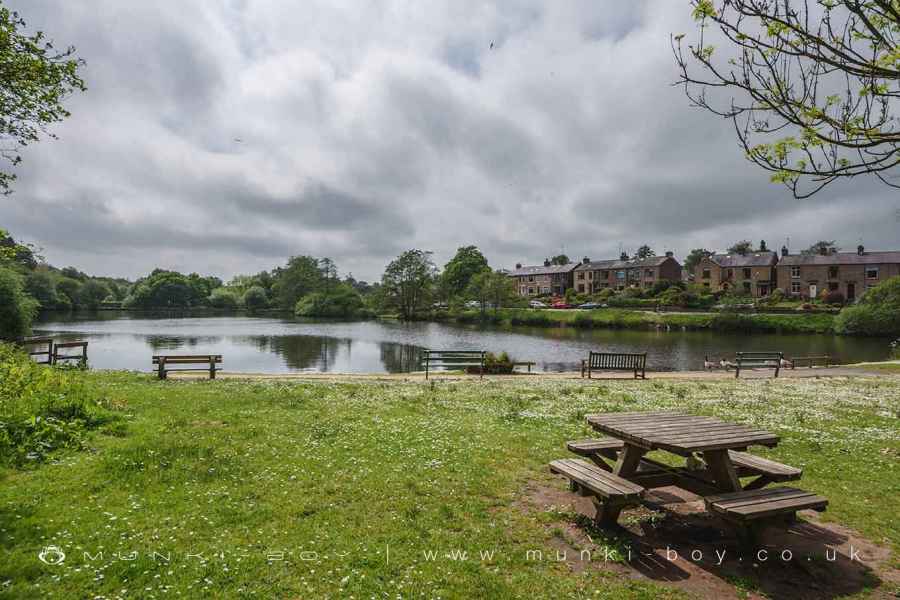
column 615, row 318
column 314, row 490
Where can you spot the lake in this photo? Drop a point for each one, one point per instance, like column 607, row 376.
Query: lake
column 121, row 340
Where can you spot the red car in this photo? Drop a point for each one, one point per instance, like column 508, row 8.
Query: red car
column 560, row 304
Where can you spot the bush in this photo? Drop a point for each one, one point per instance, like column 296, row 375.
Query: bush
column 341, row 302
column 832, row 297
column 17, row 309
column 495, row 365
column 42, row 408
column 877, row 313
column 223, row 298
column 674, row 296
column 255, row 298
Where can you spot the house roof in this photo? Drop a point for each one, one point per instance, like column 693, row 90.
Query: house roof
column 751, row 259
column 542, row 270
column 653, row 261
column 842, row 258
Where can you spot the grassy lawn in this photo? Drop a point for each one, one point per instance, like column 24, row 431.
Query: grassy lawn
column 309, row 490
column 620, row 318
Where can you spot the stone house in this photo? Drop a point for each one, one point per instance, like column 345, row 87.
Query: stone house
column 593, row 276
column 752, row 273
column 849, row 273
column 546, row 279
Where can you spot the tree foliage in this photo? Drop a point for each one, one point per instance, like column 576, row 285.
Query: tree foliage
column 459, row 271
column 340, row 301
column 644, row 251
column 35, row 78
column 491, row 287
column 877, row 313
column 813, row 85
column 407, row 282
column 820, row 247
column 302, row 275
column 17, row 309
column 559, row 259
column 742, row 247
column 694, row 257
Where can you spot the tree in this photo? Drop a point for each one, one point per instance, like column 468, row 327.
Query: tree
column 166, row 289
column 742, row 247
column 93, row 292
column 35, row 78
column 820, row 247
column 813, row 86
column 223, row 298
column 694, row 257
column 491, row 287
column 329, row 272
column 644, row 251
column 877, row 313
column 407, row 281
column 17, row 309
column 459, row 271
column 255, row 298
column 299, row 277
column 71, row 289
column 340, row 301
column 11, row 252
column 41, row 286
column 559, row 259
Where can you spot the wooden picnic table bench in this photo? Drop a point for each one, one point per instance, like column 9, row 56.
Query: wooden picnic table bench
column 454, row 358
column 524, row 363
column 757, row 360
column 81, row 356
column 39, row 346
column 615, row 361
column 609, row 492
column 721, row 445
column 163, row 361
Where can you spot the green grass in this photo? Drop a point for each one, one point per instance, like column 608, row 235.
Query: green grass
column 350, row 471
column 617, row 318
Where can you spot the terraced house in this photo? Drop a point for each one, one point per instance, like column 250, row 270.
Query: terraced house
column 752, row 273
column 593, row 276
column 846, row 273
column 543, row 280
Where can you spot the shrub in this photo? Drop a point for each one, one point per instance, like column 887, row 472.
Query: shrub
column 42, row 408
column 223, row 298
column 674, row 296
column 496, row 365
column 17, row 309
column 341, row 302
column 255, row 298
column 877, row 313
column 832, row 297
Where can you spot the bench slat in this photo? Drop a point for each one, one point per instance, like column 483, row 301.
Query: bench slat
column 589, row 447
column 595, row 479
column 772, row 469
column 757, row 504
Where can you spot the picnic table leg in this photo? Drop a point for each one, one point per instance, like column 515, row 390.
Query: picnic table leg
column 628, row 461
column 722, row 470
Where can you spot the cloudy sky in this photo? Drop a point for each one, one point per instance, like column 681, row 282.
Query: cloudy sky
column 222, row 136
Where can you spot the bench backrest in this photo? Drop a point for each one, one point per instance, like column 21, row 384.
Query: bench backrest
column 460, row 358
column 759, row 358
column 183, row 359
column 617, row 360
column 71, row 345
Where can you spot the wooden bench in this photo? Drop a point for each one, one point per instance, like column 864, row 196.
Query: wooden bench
column 809, row 361
column 615, row 361
column 749, row 508
column 163, row 362
column 589, row 448
column 757, row 360
column 610, row 493
column 768, row 471
column 33, row 345
column 81, row 357
column 523, row 363
column 454, row 358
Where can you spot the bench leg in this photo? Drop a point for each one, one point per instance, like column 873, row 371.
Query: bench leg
column 212, row 371
column 722, row 471
column 758, row 483
column 607, row 514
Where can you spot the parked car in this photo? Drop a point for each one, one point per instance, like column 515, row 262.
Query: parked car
column 561, row 304
column 473, row 304
column 590, row 305
column 537, row 304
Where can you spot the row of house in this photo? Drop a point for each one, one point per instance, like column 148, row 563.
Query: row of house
column 755, row 274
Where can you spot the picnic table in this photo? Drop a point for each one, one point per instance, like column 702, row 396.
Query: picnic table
column 619, row 471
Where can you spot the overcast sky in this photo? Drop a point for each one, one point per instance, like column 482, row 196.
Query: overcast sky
column 223, row 136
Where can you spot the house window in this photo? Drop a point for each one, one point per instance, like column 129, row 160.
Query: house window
column 833, row 286
column 604, row 274
column 747, row 286
column 795, row 273
column 706, row 284
column 729, row 273
column 832, row 272
column 580, row 288
column 620, row 274
column 530, row 278
column 590, row 274
column 706, row 275
column 531, row 291
column 581, row 275
column 546, row 290
column 747, row 274
column 871, row 272
column 795, row 287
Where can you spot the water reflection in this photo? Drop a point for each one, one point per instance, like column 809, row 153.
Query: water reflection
column 266, row 344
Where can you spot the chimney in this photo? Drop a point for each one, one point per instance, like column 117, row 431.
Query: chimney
column 762, row 246
column 860, row 250
column 670, row 254
column 518, row 266
column 784, row 251
column 623, row 256
column 585, row 260
column 546, row 262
